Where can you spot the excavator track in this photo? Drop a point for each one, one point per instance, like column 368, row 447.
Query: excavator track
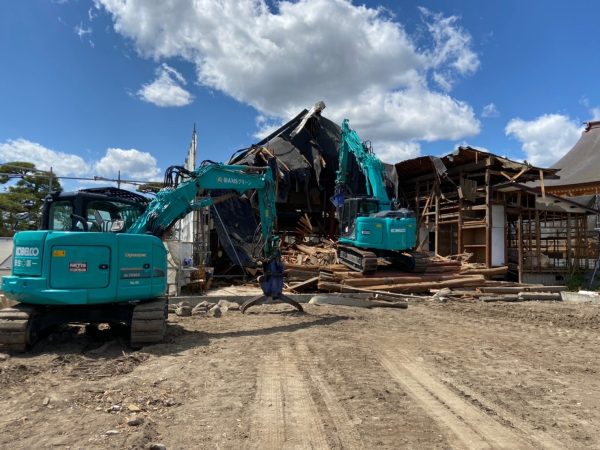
column 16, row 332
column 357, row 259
column 420, row 261
column 366, row 262
column 148, row 322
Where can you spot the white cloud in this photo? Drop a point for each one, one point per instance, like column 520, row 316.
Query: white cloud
column 415, row 114
column 443, row 81
column 280, row 59
column 166, row 89
column 132, row 163
column 595, row 113
column 545, row 139
column 43, row 158
column 490, row 110
column 82, row 32
column 452, row 43
column 393, row 153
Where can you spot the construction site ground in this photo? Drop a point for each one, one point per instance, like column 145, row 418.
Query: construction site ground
column 453, row 375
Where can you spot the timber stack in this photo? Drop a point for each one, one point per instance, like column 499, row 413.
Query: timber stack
column 310, row 266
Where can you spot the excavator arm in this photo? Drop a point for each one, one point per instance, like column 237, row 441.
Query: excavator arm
column 178, row 198
column 369, row 164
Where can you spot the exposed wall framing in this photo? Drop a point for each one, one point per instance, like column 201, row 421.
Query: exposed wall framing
column 474, row 202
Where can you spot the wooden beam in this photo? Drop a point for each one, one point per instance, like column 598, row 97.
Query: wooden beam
column 437, row 220
column 488, row 219
column 470, row 167
column 520, row 239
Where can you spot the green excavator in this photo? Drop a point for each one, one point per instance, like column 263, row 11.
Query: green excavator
column 372, row 226
column 99, row 257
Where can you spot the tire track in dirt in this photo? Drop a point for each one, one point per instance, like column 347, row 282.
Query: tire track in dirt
column 541, row 438
column 347, row 435
column 270, row 432
column 470, row 427
column 519, row 351
column 286, row 416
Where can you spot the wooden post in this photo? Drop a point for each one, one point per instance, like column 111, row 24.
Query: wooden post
column 417, row 201
column 460, row 218
column 538, row 239
column 520, row 240
column 569, row 261
column 488, row 217
column 578, row 238
column 437, row 218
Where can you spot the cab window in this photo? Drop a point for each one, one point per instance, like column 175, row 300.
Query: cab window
column 60, row 216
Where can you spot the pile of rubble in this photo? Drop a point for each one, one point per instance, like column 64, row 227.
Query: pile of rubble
column 311, row 268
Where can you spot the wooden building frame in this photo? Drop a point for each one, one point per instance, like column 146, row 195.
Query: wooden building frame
column 472, row 201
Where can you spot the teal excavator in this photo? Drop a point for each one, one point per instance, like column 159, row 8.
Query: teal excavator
column 99, row 257
column 371, row 225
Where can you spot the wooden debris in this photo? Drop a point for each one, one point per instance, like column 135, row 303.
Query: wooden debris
column 485, row 271
column 500, row 298
column 313, row 263
column 359, row 302
column 304, row 227
column 336, row 287
column 521, row 288
column 305, row 285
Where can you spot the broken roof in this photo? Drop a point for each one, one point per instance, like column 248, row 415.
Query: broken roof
column 472, row 157
column 548, row 202
column 304, row 147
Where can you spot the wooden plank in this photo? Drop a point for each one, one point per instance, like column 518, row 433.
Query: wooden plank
column 441, row 269
column 301, row 274
column 425, row 286
column 485, row 271
column 520, row 239
column 517, row 289
column 305, row 267
column 304, row 285
column 437, row 217
column 363, row 282
column 500, row 298
column 488, row 217
column 336, row 287
column 310, row 251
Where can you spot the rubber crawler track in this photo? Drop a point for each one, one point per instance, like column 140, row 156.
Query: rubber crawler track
column 148, row 322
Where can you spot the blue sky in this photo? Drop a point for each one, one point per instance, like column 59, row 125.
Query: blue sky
column 93, row 87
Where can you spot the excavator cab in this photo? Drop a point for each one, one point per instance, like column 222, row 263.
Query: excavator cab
column 355, row 207
column 96, row 209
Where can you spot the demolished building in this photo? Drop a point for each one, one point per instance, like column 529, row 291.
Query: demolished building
column 471, row 201
column 501, row 212
column 306, row 151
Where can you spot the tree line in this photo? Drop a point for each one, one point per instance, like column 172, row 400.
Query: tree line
column 21, row 201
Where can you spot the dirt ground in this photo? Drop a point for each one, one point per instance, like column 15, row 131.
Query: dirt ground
column 459, row 375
